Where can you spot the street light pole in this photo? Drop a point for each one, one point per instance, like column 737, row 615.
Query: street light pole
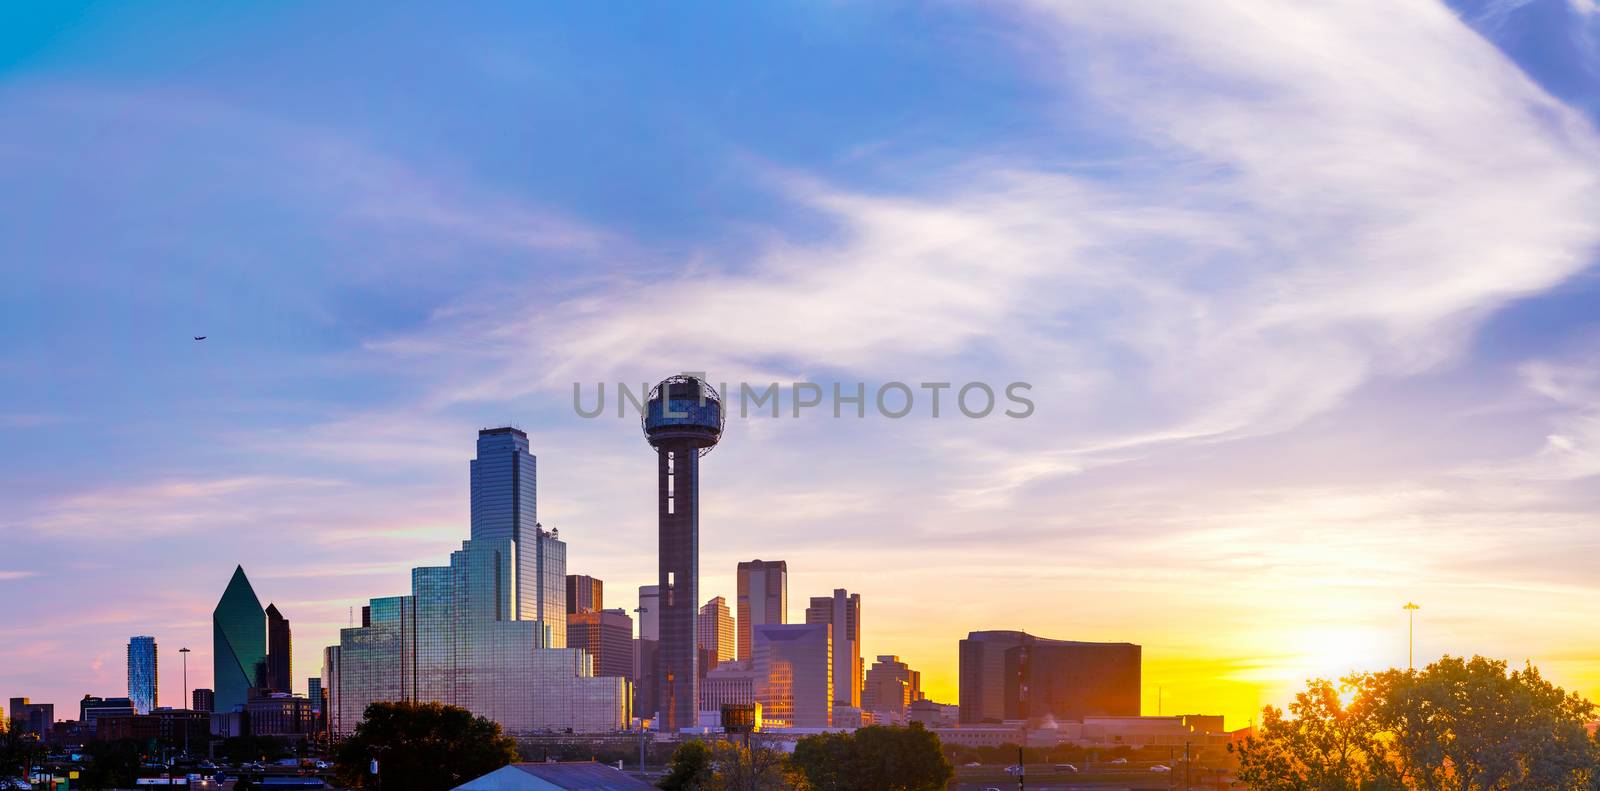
column 1411, row 634
column 187, row 703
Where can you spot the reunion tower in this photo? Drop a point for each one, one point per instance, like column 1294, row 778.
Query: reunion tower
column 682, row 421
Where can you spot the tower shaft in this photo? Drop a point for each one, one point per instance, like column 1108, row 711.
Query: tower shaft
column 678, row 496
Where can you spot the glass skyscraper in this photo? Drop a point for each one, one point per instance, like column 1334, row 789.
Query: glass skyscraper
column 487, row 632
column 238, row 643
column 505, row 505
column 143, row 679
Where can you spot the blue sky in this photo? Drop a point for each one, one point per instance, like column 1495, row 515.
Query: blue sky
column 1308, row 297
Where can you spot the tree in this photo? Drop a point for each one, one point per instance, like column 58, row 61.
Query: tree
column 421, row 746
column 875, row 758
column 113, row 764
column 689, row 769
column 1457, row 725
column 754, row 768
column 18, row 751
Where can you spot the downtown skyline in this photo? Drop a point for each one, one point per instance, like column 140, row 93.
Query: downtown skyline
column 1265, row 419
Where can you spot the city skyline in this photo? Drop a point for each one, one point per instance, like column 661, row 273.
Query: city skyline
column 1286, row 381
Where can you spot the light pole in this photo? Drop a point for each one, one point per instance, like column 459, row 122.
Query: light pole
column 1411, row 634
column 187, row 703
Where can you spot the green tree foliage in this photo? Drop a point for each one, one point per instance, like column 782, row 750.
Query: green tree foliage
column 875, row 758
column 689, row 769
column 421, row 747
column 1457, row 725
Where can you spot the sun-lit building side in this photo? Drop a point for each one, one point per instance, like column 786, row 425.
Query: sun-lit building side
column 793, row 666
column 762, row 598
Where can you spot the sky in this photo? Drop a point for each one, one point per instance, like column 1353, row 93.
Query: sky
column 1306, row 295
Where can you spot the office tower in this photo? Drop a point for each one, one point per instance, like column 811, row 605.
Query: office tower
column 585, row 594
column 682, row 421
column 716, row 631
column 649, row 612
column 488, row 632
column 1007, row 675
column 607, row 635
column 280, row 675
column 890, row 687
column 763, row 592
column 203, row 699
column 843, row 611
column 505, row 505
column 143, row 673
column 238, row 643
column 455, row 641
column 34, row 718
column 793, row 664
column 92, row 709
column 314, row 692
column 730, row 683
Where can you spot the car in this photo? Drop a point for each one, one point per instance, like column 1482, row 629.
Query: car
column 1119, row 761
column 972, row 764
column 991, row 788
column 1014, row 769
column 1161, row 768
column 1067, row 768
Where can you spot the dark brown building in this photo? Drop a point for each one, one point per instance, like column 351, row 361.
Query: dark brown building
column 280, row 673
column 1008, row 675
column 585, row 594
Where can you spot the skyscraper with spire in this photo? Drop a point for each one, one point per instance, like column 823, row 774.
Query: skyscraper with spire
column 238, row 643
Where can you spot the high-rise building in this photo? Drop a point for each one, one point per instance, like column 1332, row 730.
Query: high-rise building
column 843, row 611
column 91, row 709
column 793, row 667
column 682, row 421
column 143, row 673
column 649, row 612
column 314, row 692
column 487, row 632
column 238, row 643
column 585, row 594
column 203, row 699
column 763, row 598
column 1007, row 675
column 890, row 687
column 730, row 683
column 280, row 673
column 716, row 631
column 607, row 635
column 34, row 718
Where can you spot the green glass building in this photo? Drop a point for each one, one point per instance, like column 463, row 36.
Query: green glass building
column 238, row 643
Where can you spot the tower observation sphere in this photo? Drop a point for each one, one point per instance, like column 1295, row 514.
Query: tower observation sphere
column 682, row 421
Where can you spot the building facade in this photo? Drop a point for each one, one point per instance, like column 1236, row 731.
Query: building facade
column 793, row 666
column 34, row 718
column 504, row 479
column 143, row 673
column 203, row 699
column 763, row 598
column 718, row 635
column 842, row 611
column 238, row 643
column 1009, row 675
column 280, row 670
column 585, row 594
column 890, row 687
column 730, row 683
column 607, row 635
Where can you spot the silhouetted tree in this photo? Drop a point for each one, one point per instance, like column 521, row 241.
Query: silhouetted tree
column 112, row 764
column 689, row 769
column 421, row 747
column 1458, row 725
column 875, row 758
